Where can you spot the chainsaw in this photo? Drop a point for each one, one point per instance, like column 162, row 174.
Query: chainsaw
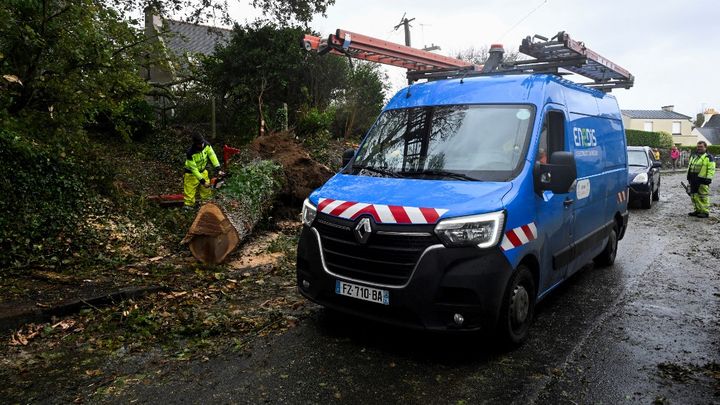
column 686, row 187
column 219, row 180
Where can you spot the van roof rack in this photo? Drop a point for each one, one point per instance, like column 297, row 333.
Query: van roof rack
column 549, row 55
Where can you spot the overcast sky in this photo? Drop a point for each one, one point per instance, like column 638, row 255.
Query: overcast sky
column 671, row 47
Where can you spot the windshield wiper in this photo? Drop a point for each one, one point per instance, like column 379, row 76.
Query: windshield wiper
column 444, row 173
column 386, row 172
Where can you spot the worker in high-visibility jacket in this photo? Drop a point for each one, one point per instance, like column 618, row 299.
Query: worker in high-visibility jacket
column 701, row 170
column 196, row 176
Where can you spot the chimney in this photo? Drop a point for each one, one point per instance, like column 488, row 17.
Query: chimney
column 668, row 108
column 153, row 22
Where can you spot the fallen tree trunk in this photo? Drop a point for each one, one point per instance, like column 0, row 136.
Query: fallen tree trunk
column 220, row 226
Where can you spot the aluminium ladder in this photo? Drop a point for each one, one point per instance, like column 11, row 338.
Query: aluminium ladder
column 549, row 55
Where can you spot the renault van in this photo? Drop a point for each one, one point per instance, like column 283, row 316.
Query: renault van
column 467, row 202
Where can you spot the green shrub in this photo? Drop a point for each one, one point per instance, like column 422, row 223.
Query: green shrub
column 645, row 138
column 43, row 196
column 314, row 121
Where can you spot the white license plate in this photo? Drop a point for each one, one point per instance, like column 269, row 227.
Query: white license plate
column 362, row 292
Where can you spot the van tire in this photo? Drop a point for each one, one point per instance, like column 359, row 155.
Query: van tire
column 607, row 257
column 518, row 308
column 656, row 194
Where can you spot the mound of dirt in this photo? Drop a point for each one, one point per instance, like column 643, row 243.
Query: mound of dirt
column 302, row 173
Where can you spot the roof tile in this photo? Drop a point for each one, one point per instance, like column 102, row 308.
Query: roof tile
column 195, row 38
column 711, row 134
column 713, row 122
column 655, row 114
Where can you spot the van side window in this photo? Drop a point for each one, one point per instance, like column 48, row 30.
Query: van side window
column 552, row 136
column 542, row 156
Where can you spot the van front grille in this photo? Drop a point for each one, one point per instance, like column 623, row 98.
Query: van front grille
column 385, row 259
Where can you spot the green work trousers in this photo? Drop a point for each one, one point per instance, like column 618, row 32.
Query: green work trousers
column 191, row 185
column 701, row 199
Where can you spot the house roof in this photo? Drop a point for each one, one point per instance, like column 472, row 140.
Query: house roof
column 711, row 134
column 713, row 122
column 194, row 38
column 655, row 114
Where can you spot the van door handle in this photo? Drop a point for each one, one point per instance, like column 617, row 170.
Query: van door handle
column 568, row 202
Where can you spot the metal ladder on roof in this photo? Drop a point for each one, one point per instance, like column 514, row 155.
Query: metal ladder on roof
column 575, row 57
column 363, row 47
column 549, row 55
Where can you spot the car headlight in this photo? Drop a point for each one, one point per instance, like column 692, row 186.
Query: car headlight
column 309, row 212
column 482, row 230
column 640, row 178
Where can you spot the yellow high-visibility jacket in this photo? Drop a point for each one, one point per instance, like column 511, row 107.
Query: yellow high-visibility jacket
column 197, row 159
column 701, row 168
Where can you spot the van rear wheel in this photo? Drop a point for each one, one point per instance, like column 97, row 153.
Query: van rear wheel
column 607, row 257
column 518, row 308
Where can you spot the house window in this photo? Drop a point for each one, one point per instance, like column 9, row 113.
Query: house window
column 647, row 126
column 676, row 127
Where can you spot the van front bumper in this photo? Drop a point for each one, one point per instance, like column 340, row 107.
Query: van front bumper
column 446, row 281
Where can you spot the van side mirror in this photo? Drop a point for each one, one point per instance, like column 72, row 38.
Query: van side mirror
column 557, row 176
column 347, row 156
column 657, row 164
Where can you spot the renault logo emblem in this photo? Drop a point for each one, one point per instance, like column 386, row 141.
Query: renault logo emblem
column 362, row 230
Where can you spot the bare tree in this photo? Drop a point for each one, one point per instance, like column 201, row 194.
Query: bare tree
column 479, row 56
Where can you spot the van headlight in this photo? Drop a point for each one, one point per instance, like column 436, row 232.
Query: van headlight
column 309, row 212
column 640, row 178
column 482, row 230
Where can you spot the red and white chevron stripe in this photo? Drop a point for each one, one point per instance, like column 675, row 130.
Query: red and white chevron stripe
column 622, row 196
column 383, row 214
column 519, row 236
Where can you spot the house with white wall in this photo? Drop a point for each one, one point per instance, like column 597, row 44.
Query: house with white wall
column 665, row 119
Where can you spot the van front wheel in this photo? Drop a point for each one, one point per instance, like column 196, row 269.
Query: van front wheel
column 518, row 307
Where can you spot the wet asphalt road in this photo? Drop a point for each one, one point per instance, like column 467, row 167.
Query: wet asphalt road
column 645, row 330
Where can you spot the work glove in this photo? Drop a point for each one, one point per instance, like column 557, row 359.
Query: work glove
column 706, row 181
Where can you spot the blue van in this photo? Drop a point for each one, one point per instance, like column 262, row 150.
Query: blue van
column 467, row 202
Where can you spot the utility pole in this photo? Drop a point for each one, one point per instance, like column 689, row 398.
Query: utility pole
column 404, row 21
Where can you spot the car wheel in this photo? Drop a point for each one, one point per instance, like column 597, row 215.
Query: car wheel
column 518, row 308
column 646, row 202
column 607, row 257
column 656, row 193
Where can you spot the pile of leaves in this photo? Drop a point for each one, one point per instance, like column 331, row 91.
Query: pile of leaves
column 204, row 310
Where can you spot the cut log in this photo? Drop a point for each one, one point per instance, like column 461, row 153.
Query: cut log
column 213, row 235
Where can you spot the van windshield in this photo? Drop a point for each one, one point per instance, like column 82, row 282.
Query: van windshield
column 638, row 158
column 460, row 142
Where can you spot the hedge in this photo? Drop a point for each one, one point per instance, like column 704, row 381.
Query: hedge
column 711, row 149
column 647, row 138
